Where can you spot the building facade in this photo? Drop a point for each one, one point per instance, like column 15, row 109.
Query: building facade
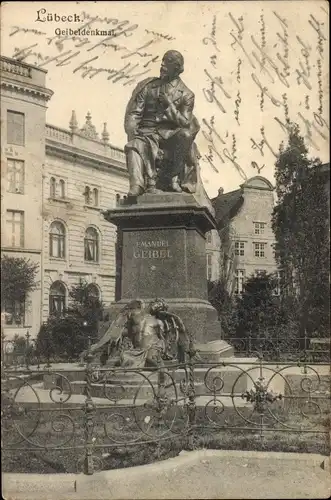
column 55, row 184
column 24, row 98
column 245, row 215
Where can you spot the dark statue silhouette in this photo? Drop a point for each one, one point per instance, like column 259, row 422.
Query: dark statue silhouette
column 161, row 154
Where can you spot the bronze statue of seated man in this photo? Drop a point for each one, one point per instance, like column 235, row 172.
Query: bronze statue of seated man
column 161, row 128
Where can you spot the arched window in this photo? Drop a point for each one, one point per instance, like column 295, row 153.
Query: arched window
column 57, row 237
column 57, row 298
column 87, row 195
column 93, row 291
column 52, row 187
column 62, row 188
column 91, row 245
column 95, row 197
column 118, row 198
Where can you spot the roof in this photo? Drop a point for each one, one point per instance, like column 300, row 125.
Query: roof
column 227, row 205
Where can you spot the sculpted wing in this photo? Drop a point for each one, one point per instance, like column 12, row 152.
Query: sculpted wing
column 117, row 327
column 175, row 332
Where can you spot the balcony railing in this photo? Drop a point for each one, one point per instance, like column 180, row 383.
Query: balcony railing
column 63, row 135
column 58, row 134
column 15, row 67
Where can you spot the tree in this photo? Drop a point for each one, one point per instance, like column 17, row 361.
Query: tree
column 300, row 224
column 220, row 297
column 61, row 339
column 258, row 308
column 86, row 307
column 18, row 278
column 67, row 337
column 220, row 292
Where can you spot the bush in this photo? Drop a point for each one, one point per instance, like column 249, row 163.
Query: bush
column 61, row 339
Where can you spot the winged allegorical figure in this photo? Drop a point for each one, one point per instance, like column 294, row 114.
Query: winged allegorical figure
column 144, row 336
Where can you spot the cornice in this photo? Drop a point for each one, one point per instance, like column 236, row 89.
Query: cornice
column 78, row 156
column 27, row 89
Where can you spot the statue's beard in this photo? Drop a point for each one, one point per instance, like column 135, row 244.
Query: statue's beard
column 167, row 76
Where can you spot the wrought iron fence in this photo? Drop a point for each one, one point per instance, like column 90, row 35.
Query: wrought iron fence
column 89, row 412
column 22, row 351
column 277, row 348
column 18, row 352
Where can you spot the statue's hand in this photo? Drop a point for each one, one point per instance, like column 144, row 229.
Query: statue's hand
column 164, row 99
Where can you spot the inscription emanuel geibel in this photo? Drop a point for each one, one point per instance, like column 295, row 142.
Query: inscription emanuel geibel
column 152, row 249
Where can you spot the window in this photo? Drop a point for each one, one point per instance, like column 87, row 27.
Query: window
column 57, row 236
column 15, row 228
column 57, row 298
column 209, row 237
column 62, row 188
column 209, row 266
column 239, row 248
column 87, row 196
column 259, row 249
column 259, row 227
column 91, row 245
column 239, row 281
column 15, row 172
column 52, row 188
column 15, row 128
column 93, row 291
column 118, row 199
column 95, row 197
column 15, row 312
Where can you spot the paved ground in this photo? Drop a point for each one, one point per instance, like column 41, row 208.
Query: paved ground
column 201, row 474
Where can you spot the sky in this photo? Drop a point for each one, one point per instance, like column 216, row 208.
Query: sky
column 251, row 65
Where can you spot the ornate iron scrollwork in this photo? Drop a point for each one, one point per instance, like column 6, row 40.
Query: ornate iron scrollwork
column 260, row 396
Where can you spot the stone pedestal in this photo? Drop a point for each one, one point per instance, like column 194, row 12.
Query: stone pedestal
column 163, row 255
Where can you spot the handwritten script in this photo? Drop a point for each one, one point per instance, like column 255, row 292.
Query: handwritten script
column 85, row 47
column 270, row 64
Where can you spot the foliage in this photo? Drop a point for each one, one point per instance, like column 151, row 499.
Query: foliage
column 85, row 307
column 219, row 297
column 258, row 308
column 228, row 259
column 300, row 224
column 61, row 338
column 18, row 278
column 220, row 292
column 67, row 336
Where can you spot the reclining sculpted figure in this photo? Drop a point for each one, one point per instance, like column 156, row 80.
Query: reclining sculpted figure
column 143, row 336
column 161, row 128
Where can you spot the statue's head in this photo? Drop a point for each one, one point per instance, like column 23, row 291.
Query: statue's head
column 157, row 305
column 172, row 65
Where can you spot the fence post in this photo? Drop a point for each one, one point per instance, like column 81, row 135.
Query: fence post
column 27, row 347
column 249, row 353
column 278, row 345
column 191, row 405
column 3, row 353
column 3, row 336
column 88, row 414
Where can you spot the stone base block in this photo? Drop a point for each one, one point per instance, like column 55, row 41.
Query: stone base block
column 199, row 317
column 214, row 351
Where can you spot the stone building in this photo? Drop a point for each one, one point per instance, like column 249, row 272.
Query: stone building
column 245, row 214
column 24, row 100
column 55, row 184
column 83, row 175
